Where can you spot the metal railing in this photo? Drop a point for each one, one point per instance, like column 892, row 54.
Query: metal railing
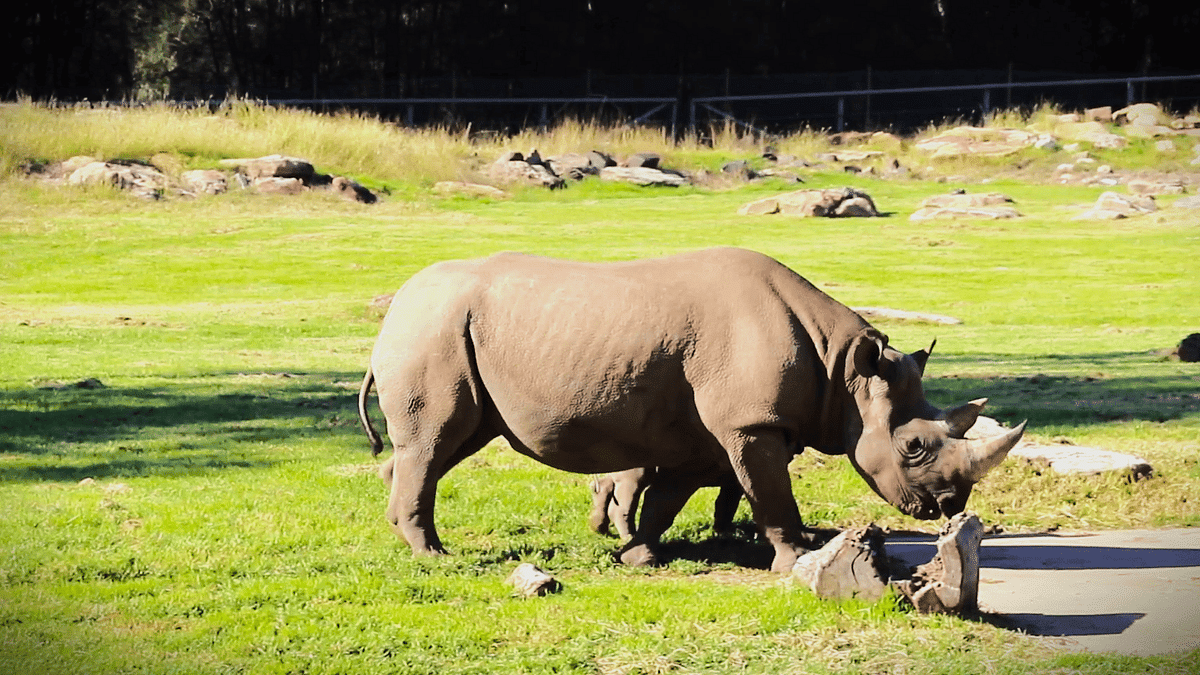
column 709, row 105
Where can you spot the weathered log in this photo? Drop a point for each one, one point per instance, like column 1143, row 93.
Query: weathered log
column 850, row 565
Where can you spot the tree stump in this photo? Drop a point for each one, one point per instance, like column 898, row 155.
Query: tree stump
column 949, row 583
column 850, row 565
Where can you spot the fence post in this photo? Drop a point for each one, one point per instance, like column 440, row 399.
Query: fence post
column 987, row 103
column 1129, row 92
column 841, row 125
column 545, row 122
column 408, row 114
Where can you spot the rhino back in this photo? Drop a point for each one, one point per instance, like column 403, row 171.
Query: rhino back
column 604, row 366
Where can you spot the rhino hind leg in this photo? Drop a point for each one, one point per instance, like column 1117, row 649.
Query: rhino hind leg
column 662, row 498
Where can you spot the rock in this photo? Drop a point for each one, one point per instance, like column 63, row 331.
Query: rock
column 958, row 213
column 964, row 200
column 204, row 181
column 1112, row 205
column 572, row 165
column 530, row 581
column 855, row 207
column 272, row 166
column 642, row 175
column 1187, row 203
column 852, row 565
column 1090, row 132
column 1165, row 146
column 448, row 187
column 519, row 171
column 980, row 141
column 1142, row 115
column 352, row 190
column 1046, row 142
column 806, row 203
column 599, row 160
column 949, row 583
column 140, row 179
column 740, row 168
column 647, row 160
column 1188, row 350
column 849, row 155
column 272, row 185
column 1148, row 187
column 1101, row 114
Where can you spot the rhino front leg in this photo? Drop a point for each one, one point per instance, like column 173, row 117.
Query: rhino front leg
column 725, row 508
column 760, row 460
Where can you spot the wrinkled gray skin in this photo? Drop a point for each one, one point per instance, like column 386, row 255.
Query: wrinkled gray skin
column 615, row 498
column 717, row 359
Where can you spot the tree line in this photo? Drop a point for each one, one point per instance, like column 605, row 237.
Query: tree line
column 184, row 49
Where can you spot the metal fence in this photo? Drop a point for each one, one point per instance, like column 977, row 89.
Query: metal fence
column 901, row 108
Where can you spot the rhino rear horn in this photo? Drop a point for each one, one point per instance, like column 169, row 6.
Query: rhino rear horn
column 983, row 456
column 961, row 419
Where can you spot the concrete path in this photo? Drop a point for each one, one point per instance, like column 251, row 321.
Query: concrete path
column 1131, row 592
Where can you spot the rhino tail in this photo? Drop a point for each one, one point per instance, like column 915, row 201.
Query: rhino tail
column 364, row 416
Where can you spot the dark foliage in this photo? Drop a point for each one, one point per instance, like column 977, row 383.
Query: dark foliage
column 75, row 49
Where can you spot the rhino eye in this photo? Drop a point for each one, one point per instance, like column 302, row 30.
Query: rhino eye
column 915, row 452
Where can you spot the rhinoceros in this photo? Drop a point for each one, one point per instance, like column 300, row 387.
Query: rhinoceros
column 714, row 360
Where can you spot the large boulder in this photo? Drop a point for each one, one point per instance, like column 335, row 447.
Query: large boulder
column 204, row 181
column 977, row 141
column 272, row 166
column 642, row 175
column 140, row 179
column 1113, row 205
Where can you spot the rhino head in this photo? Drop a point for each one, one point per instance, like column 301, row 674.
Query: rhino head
column 914, row 455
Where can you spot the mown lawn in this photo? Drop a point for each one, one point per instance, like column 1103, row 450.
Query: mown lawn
column 212, row 505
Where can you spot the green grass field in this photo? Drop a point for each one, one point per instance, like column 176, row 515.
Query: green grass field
column 213, row 508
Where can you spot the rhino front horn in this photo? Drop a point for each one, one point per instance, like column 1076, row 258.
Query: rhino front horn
column 985, row 455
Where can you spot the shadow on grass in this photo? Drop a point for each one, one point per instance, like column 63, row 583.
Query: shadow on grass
column 67, row 433
column 222, row 421
column 1103, row 387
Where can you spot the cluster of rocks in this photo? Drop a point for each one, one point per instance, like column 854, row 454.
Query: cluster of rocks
column 830, row 203
column 553, row 172
column 1067, row 132
column 274, row 174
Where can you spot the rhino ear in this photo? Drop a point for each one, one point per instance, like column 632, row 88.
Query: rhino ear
column 866, row 353
column 961, row 419
column 922, row 356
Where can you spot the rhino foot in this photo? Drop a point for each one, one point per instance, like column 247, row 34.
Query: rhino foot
column 639, row 555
